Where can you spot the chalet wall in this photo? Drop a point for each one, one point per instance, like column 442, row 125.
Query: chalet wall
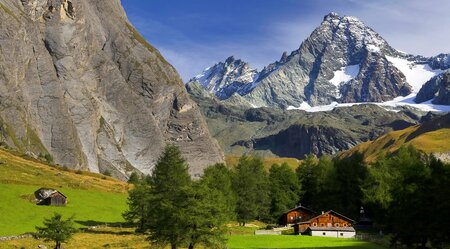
column 329, row 220
column 295, row 215
column 334, row 234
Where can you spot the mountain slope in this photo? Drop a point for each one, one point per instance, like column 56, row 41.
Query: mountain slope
column 437, row 90
column 430, row 137
column 271, row 132
column 93, row 198
column 80, row 83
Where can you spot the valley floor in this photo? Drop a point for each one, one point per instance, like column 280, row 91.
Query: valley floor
column 126, row 238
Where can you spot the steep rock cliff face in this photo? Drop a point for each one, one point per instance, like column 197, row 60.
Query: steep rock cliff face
column 437, row 89
column 77, row 81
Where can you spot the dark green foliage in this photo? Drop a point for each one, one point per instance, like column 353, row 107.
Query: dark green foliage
column 107, row 172
column 410, row 195
column 167, row 216
column 307, row 173
column 350, row 175
column 285, row 190
column 207, row 214
column 56, row 229
column 138, row 206
column 220, row 178
column 251, row 188
column 177, row 211
column 47, row 157
column 333, row 184
column 134, row 178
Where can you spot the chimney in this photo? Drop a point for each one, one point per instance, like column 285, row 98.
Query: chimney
column 323, row 212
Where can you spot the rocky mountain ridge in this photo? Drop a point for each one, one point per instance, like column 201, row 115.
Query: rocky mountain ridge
column 79, row 83
column 314, row 100
column 343, row 61
column 436, row 90
column 273, row 132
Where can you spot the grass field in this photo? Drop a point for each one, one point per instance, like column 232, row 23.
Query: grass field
column 126, row 238
column 292, row 241
column 20, row 215
column 15, row 169
column 293, row 163
column 92, row 198
column 92, row 239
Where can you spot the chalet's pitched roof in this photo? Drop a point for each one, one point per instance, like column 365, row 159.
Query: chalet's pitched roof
column 340, row 215
column 344, row 229
column 329, row 212
column 299, row 207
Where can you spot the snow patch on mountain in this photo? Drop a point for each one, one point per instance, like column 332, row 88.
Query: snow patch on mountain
column 372, row 48
column 416, row 74
column 392, row 105
column 345, row 74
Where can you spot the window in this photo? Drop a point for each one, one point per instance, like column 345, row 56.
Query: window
column 314, row 224
column 324, row 233
column 345, row 224
column 342, row 234
column 336, row 225
column 321, row 224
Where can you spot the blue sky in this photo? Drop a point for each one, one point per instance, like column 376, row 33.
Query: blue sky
column 195, row 34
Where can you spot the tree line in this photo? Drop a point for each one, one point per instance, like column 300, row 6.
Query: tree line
column 407, row 194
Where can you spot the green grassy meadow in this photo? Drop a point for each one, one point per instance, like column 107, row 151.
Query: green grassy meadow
column 21, row 215
column 98, row 200
column 292, row 241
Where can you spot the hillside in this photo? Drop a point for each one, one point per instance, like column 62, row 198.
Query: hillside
column 430, row 137
column 232, row 161
column 93, row 198
column 15, row 169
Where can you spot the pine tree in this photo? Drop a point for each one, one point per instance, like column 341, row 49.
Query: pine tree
column 285, row 189
column 220, row 178
column 139, row 205
column 168, row 212
column 251, row 188
column 208, row 213
column 56, row 229
column 307, row 173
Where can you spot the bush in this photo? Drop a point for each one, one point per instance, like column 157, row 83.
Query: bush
column 107, row 172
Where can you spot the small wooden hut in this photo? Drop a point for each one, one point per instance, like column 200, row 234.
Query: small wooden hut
column 50, row 197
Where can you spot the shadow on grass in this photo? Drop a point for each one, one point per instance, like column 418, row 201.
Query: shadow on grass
column 101, row 227
column 93, row 223
column 92, row 231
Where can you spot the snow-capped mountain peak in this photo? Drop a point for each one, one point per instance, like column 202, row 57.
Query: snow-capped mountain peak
column 225, row 78
column 342, row 61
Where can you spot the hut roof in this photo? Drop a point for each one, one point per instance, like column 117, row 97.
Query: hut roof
column 44, row 193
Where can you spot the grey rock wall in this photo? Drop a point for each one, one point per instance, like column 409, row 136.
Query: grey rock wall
column 77, row 81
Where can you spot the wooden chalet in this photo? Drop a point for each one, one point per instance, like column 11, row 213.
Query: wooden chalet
column 295, row 215
column 50, row 197
column 328, row 224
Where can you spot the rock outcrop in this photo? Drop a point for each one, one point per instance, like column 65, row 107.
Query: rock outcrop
column 437, row 89
column 77, row 81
